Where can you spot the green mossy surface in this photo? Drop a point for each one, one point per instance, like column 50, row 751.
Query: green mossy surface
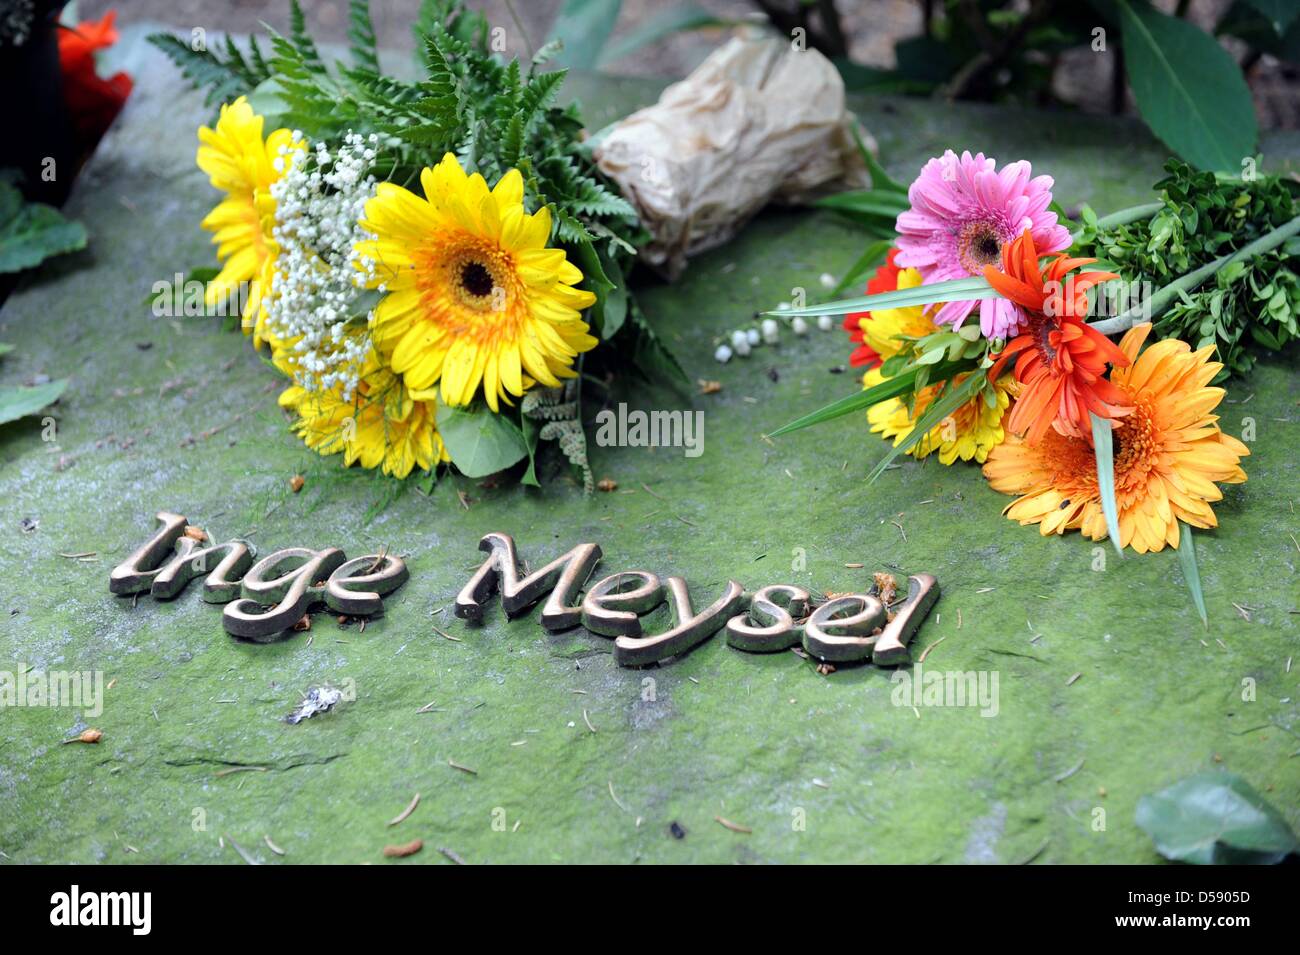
column 760, row 740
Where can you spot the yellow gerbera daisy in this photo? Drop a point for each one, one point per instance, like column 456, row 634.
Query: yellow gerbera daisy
column 473, row 293
column 970, row 432
column 382, row 425
column 1169, row 454
column 881, row 328
column 240, row 164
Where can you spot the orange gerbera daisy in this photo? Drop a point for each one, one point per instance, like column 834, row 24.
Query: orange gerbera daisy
column 1169, row 454
column 1062, row 360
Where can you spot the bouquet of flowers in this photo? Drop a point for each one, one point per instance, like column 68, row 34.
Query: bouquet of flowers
column 985, row 336
column 426, row 262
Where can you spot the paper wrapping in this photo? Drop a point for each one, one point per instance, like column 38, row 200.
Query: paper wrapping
column 757, row 122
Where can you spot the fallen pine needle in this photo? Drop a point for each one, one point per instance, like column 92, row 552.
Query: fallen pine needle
column 444, row 633
column 272, row 846
column 239, row 769
column 243, row 853
column 587, row 719
column 452, row 855
column 733, row 826
column 926, row 652
column 415, row 801
column 1068, row 773
column 464, row 769
column 617, row 802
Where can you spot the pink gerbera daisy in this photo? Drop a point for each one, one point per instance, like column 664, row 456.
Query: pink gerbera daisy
column 963, row 212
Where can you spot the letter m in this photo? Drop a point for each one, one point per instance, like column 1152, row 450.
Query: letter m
column 562, row 577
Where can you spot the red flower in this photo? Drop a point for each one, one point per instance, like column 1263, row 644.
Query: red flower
column 93, row 102
column 1062, row 359
column 885, row 280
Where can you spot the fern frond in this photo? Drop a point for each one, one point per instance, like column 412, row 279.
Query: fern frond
column 361, row 35
column 301, row 39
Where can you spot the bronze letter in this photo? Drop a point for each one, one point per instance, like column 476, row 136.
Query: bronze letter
column 222, row 584
column 769, row 625
column 688, row 629
column 135, row 574
column 291, row 593
column 610, row 609
column 563, row 576
column 341, row 596
column 891, row 646
column 856, row 617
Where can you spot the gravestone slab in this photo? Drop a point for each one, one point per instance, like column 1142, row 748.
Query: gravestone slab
column 538, row 747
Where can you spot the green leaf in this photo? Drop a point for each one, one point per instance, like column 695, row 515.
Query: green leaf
column 15, row 402
column 1191, row 573
column 678, row 19
column 1215, row 818
column 583, row 26
column 610, row 309
column 880, row 180
column 267, row 99
column 650, row 355
column 31, row 232
column 870, row 202
column 480, row 442
column 5, row 348
column 889, row 388
column 975, row 287
column 1102, row 443
column 1280, row 13
column 866, row 263
column 1189, row 89
column 954, row 398
column 531, row 431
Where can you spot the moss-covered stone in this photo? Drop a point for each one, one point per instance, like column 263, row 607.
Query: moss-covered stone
column 181, row 415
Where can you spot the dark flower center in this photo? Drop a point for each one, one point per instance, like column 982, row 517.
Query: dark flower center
column 476, row 279
column 978, row 246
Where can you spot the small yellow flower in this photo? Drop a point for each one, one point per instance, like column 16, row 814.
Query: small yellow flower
column 242, row 165
column 473, row 295
column 381, row 425
column 971, row 432
column 882, row 329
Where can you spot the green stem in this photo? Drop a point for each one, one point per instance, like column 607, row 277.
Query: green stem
column 1162, row 299
column 1123, row 217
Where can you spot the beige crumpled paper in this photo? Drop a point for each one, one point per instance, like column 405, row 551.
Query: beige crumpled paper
column 757, row 122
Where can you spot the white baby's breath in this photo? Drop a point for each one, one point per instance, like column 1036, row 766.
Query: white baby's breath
column 316, row 301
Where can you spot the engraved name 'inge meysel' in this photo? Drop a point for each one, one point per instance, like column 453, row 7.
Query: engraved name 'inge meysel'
column 266, row 598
